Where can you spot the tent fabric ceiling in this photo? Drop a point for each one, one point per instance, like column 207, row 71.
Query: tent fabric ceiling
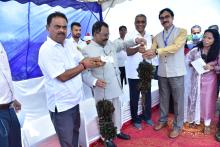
column 111, row 3
column 23, row 30
column 92, row 6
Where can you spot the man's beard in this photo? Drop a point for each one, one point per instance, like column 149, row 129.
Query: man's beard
column 77, row 36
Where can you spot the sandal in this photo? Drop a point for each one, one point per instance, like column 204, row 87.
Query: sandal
column 207, row 130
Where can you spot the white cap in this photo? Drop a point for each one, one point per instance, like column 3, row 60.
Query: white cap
column 87, row 37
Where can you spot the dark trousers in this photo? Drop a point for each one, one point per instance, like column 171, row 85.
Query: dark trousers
column 172, row 86
column 155, row 73
column 10, row 132
column 134, row 98
column 123, row 75
column 67, row 125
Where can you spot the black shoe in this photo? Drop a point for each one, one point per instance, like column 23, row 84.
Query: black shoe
column 217, row 135
column 109, row 143
column 123, row 136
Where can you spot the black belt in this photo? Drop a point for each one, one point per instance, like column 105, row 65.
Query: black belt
column 5, row 106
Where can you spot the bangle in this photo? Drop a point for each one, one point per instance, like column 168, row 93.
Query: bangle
column 83, row 64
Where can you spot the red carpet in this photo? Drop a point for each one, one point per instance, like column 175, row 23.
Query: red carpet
column 150, row 138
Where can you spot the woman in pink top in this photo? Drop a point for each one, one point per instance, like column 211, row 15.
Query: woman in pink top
column 204, row 86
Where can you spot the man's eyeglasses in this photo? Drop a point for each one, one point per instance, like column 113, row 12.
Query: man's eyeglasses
column 165, row 17
column 104, row 34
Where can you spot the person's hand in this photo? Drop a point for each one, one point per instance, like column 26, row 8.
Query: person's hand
column 92, row 62
column 208, row 67
column 100, row 83
column 98, row 62
column 16, row 105
column 140, row 40
column 149, row 54
column 141, row 48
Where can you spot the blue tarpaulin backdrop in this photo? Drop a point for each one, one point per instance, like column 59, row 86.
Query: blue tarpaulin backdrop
column 23, row 29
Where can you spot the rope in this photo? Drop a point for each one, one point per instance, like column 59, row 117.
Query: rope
column 109, row 9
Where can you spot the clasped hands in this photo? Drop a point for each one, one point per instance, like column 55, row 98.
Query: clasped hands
column 149, row 54
column 146, row 53
column 92, row 62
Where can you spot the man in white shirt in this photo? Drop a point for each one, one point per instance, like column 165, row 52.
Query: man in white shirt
column 121, row 55
column 61, row 64
column 80, row 44
column 76, row 34
column 10, row 133
column 133, row 60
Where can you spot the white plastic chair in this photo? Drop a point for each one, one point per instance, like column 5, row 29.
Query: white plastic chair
column 32, row 96
column 89, row 131
column 35, row 131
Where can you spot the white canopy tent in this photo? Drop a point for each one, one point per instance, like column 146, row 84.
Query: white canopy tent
column 187, row 14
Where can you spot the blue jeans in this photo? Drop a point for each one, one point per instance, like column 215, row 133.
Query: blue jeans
column 10, row 132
